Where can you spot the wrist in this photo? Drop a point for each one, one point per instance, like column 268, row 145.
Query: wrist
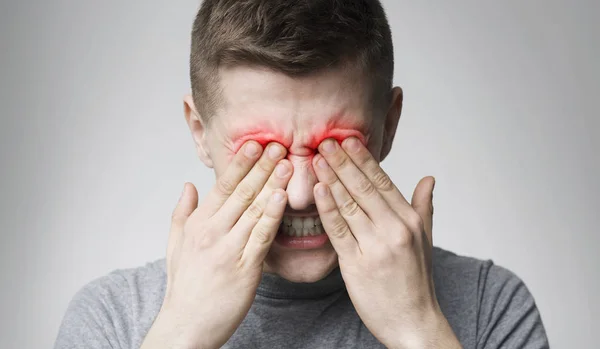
column 174, row 331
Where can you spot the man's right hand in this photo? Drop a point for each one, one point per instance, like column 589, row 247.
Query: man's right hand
column 216, row 250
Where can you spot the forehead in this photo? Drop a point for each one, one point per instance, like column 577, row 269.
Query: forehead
column 261, row 103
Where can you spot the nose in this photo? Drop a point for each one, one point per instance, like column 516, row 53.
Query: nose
column 300, row 186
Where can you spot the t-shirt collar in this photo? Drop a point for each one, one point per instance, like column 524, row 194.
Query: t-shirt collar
column 274, row 286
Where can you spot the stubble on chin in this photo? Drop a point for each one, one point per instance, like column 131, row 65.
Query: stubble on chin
column 312, row 267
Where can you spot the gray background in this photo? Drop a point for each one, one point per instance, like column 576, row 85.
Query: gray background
column 501, row 105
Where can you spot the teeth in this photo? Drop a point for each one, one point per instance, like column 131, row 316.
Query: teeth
column 301, row 226
column 319, row 229
column 287, row 220
column 297, row 223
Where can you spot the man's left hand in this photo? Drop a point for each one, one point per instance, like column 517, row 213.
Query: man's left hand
column 384, row 246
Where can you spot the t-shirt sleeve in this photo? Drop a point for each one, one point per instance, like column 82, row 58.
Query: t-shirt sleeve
column 508, row 316
column 96, row 317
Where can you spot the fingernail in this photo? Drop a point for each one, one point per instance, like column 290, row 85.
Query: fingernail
column 274, row 151
column 281, row 170
column 352, row 144
column 322, row 190
column 251, row 150
column 322, row 163
column 329, row 146
column 277, row 197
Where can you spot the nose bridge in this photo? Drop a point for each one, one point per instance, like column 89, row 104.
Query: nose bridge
column 300, row 186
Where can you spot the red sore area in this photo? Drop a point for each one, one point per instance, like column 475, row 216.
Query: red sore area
column 338, row 134
column 264, row 138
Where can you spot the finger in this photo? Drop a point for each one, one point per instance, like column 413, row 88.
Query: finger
column 247, row 190
column 352, row 178
column 238, row 168
column 339, row 233
column 371, row 168
column 188, row 201
column 264, row 231
column 348, row 208
column 278, row 180
column 422, row 203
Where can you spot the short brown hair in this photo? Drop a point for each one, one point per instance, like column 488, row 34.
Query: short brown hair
column 295, row 37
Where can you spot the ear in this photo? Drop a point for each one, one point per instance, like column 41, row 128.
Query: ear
column 198, row 129
column 391, row 122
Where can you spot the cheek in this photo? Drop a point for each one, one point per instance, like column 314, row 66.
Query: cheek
column 223, row 157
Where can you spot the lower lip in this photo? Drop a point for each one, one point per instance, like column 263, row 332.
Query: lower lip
column 301, row 243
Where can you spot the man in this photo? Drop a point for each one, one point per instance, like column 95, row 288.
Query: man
column 304, row 241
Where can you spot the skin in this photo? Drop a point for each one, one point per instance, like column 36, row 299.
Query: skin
column 292, row 111
column 322, row 149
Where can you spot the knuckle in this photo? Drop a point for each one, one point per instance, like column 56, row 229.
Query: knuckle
column 254, row 211
column 340, row 161
column 271, row 215
column 265, row 166
column 415, row 222
column 383, row 256
column 382, row 181
column 187, row 226
column 177, row 218
column 225, row 185
column 262, row 234
column 339, row 229
column 273, row 183
column 330, row 208
column 364, row 159
column 365, row 187
column 402, row 239
column 349, row 208
column 245, row 193
column 201, row 241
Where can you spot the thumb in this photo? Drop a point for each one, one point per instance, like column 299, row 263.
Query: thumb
column 422, row 203
column 188, row 201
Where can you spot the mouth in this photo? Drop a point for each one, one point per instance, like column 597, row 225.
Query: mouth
column 301, row 226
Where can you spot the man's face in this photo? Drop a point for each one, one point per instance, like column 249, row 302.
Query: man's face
column 259, row 104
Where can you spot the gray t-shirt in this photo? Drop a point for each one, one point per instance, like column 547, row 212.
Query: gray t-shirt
column 486, row 305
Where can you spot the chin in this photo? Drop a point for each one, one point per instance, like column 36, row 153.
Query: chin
column 301, row 266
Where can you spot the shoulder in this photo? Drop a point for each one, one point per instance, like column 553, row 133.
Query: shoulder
column 458, row 276
column 116, row 308
column 473, row 275
column 126, row 288
column 456, row 270
column 488, row 300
